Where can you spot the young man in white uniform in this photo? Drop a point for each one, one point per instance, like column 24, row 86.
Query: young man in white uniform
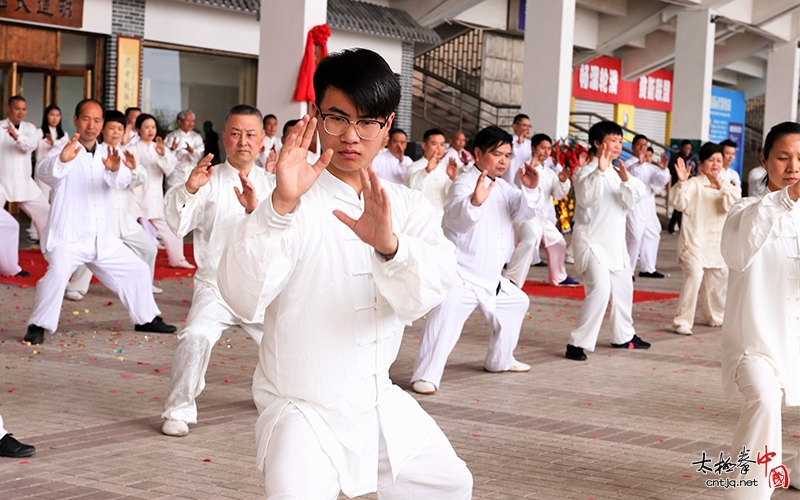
column 123, row 223
column 727, row 174
column 211, row 203
column 479, row 215
column 642, row 227
column 336, row 295
column 542, row 228
column 391, row 165
column 272, row 142
column 82, row 174
column 431, row 174
column 521, row 147
column 761, row 334
column 188, row 147
column 603, row 195
column 18, row 139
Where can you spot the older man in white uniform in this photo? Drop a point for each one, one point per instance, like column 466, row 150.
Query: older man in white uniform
column 336, row 295
column 18, row 139
column 188, row 147
column 479, row 213
column 432, row 174
column 82, row 174
column 211, row 203
column 391, row 165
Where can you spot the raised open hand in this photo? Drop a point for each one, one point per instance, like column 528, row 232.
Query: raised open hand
column 12, row 131
column 247, row 196
column 681, row 170
column 565, row 174
column 128, row 135
column 374, row 227
column 49, row 139
column 112, row 161
column 71, row 149
column 160, row 148
column 189, row 148
column 272, row 161
column 200, row 175
column 433, row 162
column 714, row 182
column 621, row 171
column 175, row 144
column 604, row 157
column 663, row 162
column 294, row 175
column 130, row 160
column 482, row 191
column 452, row 168
column 529, row 177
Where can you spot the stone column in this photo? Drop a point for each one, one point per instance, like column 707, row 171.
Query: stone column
column 783, row 80
column 547, row 73
column 694, row 67
column 127, row 19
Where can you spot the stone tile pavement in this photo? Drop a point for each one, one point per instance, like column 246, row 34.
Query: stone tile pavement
column 622, row 425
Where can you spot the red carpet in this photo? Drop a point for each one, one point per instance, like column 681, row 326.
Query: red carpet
column 33, row 262
column 543, row 289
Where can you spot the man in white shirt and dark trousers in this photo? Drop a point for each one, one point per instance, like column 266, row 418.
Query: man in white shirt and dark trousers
column 336, row 295
column 521, row 152
column 82, row 174
column 391, row 165
column 188, row 147
column 18, row 139
column 480, row 210
column 643, row 229
column 211, row 203
column 431, row 174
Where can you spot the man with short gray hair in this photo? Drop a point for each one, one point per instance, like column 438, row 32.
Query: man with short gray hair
column 187, row 145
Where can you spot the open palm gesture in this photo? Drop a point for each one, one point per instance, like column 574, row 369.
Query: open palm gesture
column 200, row 175
column 482, row 190
column 680, row 169
column 374, row 227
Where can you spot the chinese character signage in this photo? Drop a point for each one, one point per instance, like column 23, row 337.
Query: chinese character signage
column 601, row 80
column 129, row 52
column 58, row 12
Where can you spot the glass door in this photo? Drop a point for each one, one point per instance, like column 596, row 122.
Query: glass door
column 67, row 89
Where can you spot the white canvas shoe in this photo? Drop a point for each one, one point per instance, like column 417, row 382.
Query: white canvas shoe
column 519, row 366
column 177, row 428
column 422, row 387
column 157, row 290
column 683, row 330
column 73, row 295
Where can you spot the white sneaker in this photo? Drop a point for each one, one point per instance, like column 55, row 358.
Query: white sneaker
column 73, row 295
column 519, row 366
column 422, row 387
column 177, row 428
column 184, row 264
column 569, row 260
column 683, row 330
column 157, row 290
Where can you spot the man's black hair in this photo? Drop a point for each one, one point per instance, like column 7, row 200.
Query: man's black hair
column 428, row 133
column 650, row 149
column 519, row 118
column 538, row 138
column 15, row 98
column 685, row 142
column 141, row 119
column 288, row 125
column 364, row 77
column 638, row 137
column 778, row 131
column 397, row 131
column 269, row 116
column 46, row 125
column 113, row 115
column 707, row 150
column 83, row 102
column 128, row 111
column 491, row 138
column 727, row 143
column 243, row 110
column 600, row 131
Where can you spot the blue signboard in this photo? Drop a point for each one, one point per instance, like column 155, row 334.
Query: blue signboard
column 727, row 120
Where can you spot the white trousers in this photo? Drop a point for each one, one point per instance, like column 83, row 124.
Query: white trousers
column 173, row 244
column 443, row 328
column 709, row 284
column 208, row 318
column 9, row 249
column 38, row 209
column 296, row 467
column 2, row 429
column 141, row 244
column 121, row 271
column 759, row 426
column 643, row 237
column 602, row 284
column 531, row 234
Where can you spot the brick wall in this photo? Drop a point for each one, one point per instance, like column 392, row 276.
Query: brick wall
column 403, row 114
column 127, row 19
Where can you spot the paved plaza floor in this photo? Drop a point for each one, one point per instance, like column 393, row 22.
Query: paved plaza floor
column 625, row 424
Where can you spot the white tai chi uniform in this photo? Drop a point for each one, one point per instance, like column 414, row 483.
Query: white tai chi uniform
column 520, row 154
column 389, row 168
column 598, row 239
column 15, row 172
column 541, row 229
column 42, row 148
column 125, row 227
column 456, row 155
column 643, row 229
column 484, row 239
column 334, row 314
column 3, row 431
column 269, row 143
column 704, row 271
column 761, row 334
column 755, row 181
column 186, row 160
column 9, row 250
column 434, row 185
column 80, row 232
column 212, row 213
column 730, row 175
column 149, row 197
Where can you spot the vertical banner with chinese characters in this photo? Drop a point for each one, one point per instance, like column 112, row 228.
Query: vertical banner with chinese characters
column 58, row 12
column 129, row 62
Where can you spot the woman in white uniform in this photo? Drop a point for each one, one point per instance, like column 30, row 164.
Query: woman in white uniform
column 761, row 334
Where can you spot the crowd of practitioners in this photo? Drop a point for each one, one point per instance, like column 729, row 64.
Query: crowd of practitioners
column 452, row 232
